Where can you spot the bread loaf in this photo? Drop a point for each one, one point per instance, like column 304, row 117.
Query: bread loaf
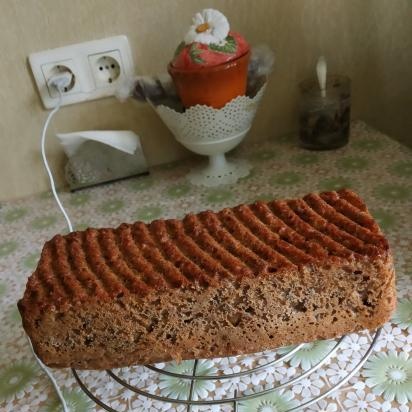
column 242, row 280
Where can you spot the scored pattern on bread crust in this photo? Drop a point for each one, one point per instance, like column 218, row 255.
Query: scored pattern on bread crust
column 260, row 239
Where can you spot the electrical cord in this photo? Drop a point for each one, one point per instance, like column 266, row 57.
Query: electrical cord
column 51, row 377
column 46, row 164
column 58, row 82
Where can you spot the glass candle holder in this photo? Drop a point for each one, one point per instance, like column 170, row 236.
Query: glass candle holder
column 324, row 121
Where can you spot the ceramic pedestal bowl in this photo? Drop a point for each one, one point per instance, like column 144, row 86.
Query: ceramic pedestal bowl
column 213, row 132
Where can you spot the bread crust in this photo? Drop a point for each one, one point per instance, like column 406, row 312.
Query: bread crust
column 241, row 280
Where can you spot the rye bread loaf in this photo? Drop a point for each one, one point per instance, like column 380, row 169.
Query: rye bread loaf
column 241, row 280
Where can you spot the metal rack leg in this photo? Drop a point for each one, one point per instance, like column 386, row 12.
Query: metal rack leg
column 192, row 383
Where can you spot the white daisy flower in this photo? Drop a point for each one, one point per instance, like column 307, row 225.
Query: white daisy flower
column 231, row 370
column 308, row 387
column 140, row 380
column 352, row 347
column 223, row 363
column 68, row 382
column 96, row 380
column 38, row 399
column 240, row 383
column 391, row 338
column 10, row 406
column 107, row 388
column 274, row 373
column 323, row 406
column 209, row 27
column 142, row 404
column 127, row 395
column 248, row 361
column 336, row 372
column 360, row 401
column 117, row 405
column 163, row 406
column 357, row 384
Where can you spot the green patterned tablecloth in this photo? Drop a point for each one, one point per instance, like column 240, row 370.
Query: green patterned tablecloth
column 379, row 168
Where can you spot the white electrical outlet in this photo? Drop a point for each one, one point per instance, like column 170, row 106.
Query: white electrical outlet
column 51, row 69
column 97, row 68
column 106, row 67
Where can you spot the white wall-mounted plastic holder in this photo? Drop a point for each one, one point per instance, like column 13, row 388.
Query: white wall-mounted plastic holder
column 97, row 67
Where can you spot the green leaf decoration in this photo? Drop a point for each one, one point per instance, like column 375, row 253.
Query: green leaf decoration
column 194, row 54
column 179, row 48
column 229, row 46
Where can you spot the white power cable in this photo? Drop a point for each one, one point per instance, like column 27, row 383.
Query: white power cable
column 58, row 82
column 51, row 377
column 46, row 164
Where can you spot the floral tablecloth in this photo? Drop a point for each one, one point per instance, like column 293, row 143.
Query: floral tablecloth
column 376, row 166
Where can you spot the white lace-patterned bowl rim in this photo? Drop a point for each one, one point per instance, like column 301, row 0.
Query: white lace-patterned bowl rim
column 236, row 398
column 203, row 123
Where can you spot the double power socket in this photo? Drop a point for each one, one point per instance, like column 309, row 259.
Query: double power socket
column 97, row 67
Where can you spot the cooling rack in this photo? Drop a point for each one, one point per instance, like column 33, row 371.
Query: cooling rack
column 192, row 401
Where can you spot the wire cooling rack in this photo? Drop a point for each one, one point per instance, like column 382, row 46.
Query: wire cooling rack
column 191, row 401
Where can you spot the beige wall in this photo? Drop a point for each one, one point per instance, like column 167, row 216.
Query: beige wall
column 369, row 40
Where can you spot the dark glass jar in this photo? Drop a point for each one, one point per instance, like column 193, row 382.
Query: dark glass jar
column 324, row 121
